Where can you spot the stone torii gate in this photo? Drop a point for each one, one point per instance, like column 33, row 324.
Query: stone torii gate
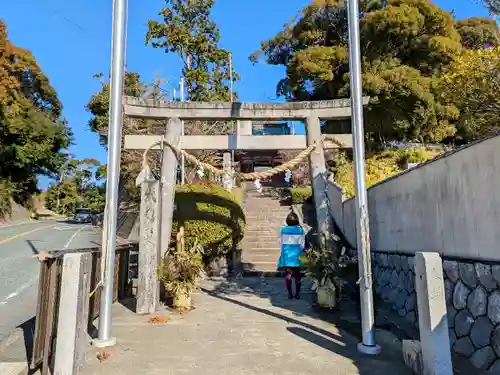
column 157, row 197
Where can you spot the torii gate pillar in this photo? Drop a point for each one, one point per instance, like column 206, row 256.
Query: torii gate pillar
column 317, row 168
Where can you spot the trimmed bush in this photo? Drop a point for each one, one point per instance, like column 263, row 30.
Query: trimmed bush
column 238, row 195
column 211, row 215
column 301, row 195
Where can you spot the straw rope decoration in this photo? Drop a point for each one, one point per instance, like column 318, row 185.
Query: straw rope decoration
column 244, row 176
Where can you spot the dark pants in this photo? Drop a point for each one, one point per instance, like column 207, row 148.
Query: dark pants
column 295, row 273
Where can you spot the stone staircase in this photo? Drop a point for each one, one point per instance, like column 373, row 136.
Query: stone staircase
column 264, row 218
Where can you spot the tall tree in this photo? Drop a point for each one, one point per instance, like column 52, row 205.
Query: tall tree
column 32, row 131
column 472, row 84
column 98, row 106
column 188, row 30
column 405, row 44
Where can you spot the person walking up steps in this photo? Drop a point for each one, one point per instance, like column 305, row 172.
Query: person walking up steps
column 292, row 241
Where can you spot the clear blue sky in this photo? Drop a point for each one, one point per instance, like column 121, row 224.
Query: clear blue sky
column 71, row 41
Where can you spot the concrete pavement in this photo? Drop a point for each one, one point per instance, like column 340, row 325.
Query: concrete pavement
column 239, row 327
column 19, row 271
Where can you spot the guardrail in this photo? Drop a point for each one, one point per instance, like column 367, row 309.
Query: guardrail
column 68, row 303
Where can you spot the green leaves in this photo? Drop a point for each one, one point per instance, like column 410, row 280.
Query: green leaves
column 471, row 83
column 79, row 186
column 407, row 45
column 32, row 132
column 188, row 31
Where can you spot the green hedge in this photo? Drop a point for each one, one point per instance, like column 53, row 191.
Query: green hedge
column 211, row 215
column 301, row 195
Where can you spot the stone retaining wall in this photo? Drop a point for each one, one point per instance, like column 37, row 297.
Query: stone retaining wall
column 472, row 299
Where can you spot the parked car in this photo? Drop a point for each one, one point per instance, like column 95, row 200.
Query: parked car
column 83, row 215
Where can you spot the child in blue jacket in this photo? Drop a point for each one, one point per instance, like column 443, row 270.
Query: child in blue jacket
column 292, row 240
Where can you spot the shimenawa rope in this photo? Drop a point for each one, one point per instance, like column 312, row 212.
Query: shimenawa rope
column 244, row 176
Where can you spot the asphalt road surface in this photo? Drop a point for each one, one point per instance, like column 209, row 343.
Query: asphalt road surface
column 19, row 271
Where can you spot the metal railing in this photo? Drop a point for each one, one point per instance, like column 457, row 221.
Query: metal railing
column 49, row 293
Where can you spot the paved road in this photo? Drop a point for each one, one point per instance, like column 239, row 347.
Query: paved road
column 19, row 271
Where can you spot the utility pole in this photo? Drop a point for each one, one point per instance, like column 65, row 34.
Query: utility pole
column 62, row 175
column 183, row 160
column 231, row 100
column 114, row 150
column 368, row 345
column 231, row 76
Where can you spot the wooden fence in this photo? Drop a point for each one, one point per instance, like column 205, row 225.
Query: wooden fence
column 49, row 294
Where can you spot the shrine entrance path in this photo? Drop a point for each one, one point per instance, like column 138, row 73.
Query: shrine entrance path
column 245, row 326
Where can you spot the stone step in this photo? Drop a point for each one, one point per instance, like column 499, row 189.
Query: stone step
column 259, row 206
column 270, row 227
column 275, row 248
column 262, row 263
column 253, row 226
column 263, row 224
column 252, row 249
column 261, row 199
column 258, row 231
column 266, row 222
column 260, row 236
column 259, row 217
column 261, row 250
column 256, row 207
column 256, row 211
column 248, row 253
column 260, row 245
column 262, row 257
column 263, row 219
column 255, row 234
column 272, row 242
column 260, row 266
column 273, row 202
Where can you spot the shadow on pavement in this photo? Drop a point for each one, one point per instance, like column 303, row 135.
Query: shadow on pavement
column 18, row 347
column 28, row 329
column 33, row 248
column 345, row 318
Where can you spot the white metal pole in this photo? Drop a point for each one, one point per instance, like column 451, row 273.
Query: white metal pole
column 368, row 345
column 183, row 161
column 114, row 149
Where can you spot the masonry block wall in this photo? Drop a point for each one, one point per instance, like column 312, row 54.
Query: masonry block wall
column 472, row 291
column 450, row 205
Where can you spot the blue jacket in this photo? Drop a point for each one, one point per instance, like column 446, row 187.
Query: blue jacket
column 292, row 241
